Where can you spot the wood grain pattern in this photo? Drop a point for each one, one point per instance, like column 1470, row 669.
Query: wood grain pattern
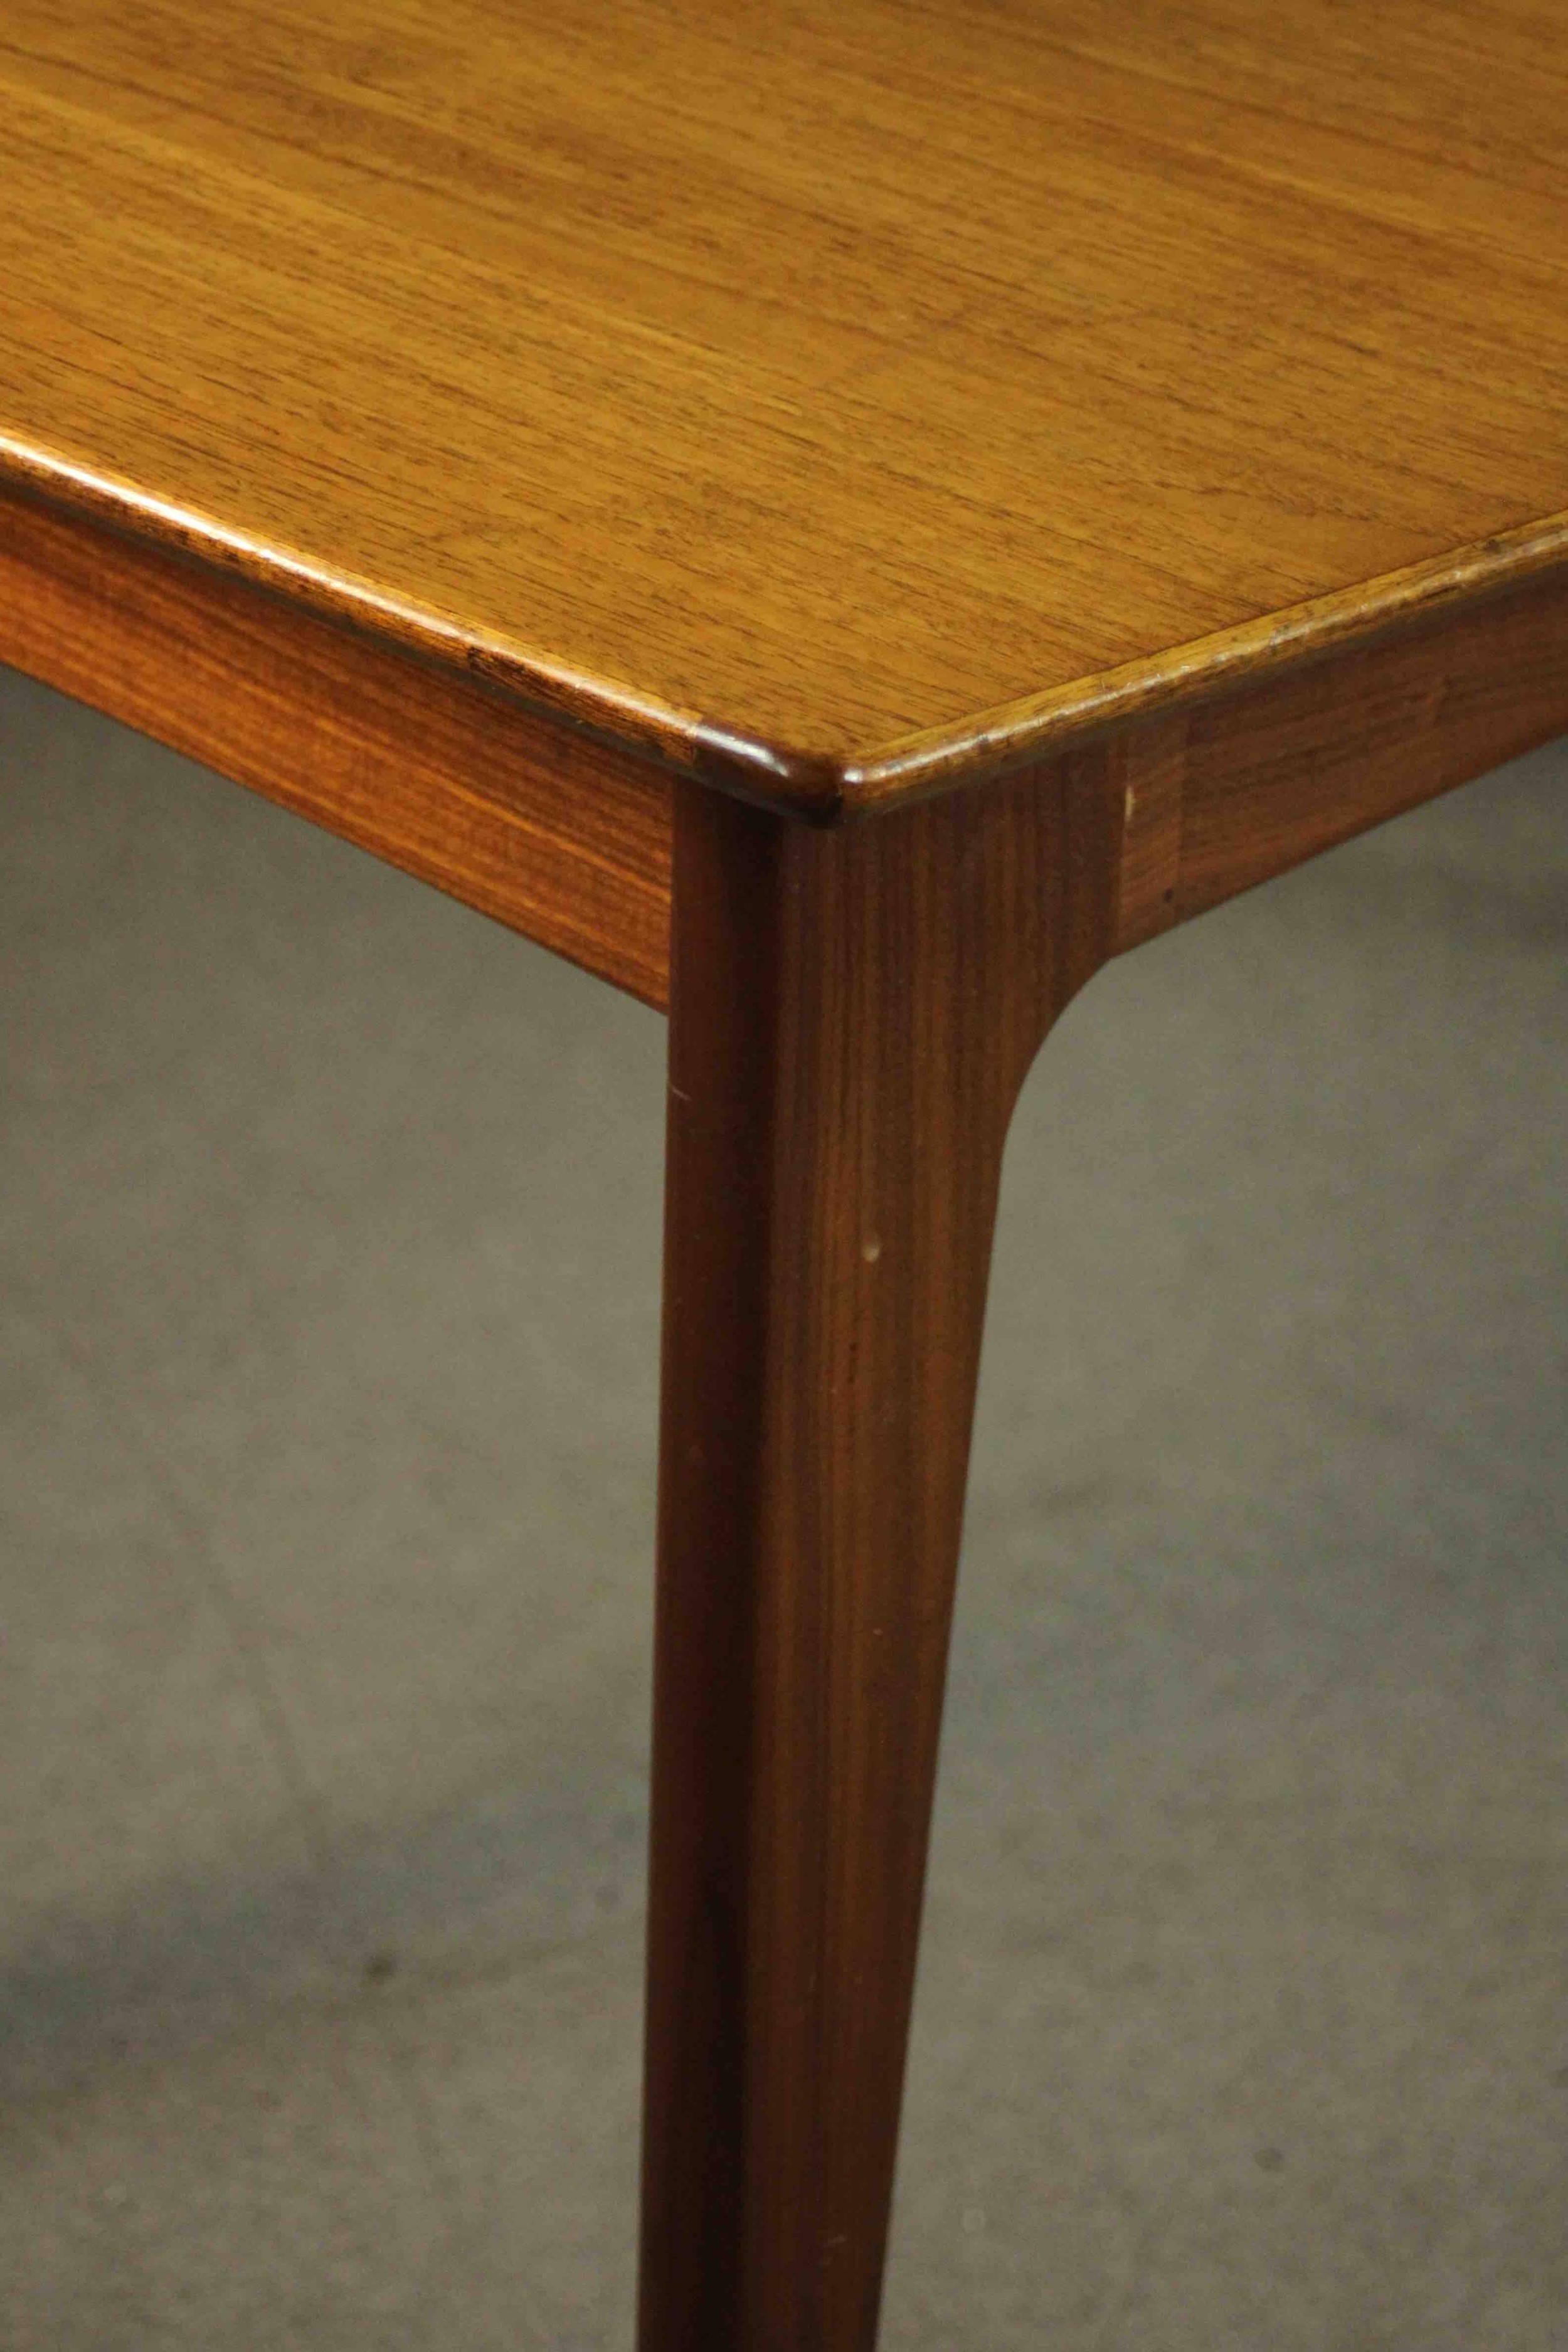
column 910, row 385
column 569, row 840
column 525, row 819
column 1145, row 768
column 1219, row 798
column 1149, row 417
column 852, row 1014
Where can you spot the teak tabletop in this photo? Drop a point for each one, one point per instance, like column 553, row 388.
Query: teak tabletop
column 839, row 519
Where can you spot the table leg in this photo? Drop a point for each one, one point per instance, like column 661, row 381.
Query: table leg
column 852, row 1014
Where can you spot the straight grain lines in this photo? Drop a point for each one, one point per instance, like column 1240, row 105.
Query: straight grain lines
column 1060, row 719
column 1314, row 190
column 1108, row 389
column 605, row 705
column 71, row 364
column 919, row 339
column 795, row 780
column 1400, row 467
column 190, row 106
column 1363, row 206
column 1210, row 162
column 975, row 502
column 310, row 206
column 177, row 437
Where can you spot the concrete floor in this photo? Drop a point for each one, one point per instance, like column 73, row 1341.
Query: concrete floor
column 328, row 1255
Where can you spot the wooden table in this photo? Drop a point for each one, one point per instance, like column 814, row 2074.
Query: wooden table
column 839, row 520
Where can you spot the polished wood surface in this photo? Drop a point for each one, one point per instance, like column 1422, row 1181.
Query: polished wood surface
column 853, row 1010
column 1062, row 464
column 852, row 1014
column 568, row 839
column 1224, row 796
column 563, row 838
column 914, row 386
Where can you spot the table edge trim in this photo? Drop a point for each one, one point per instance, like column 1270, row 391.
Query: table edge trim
column 819, row 787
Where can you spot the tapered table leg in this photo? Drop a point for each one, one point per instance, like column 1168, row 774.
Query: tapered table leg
column 852, row 1014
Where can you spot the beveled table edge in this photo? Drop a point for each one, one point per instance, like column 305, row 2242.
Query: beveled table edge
column 819, row 787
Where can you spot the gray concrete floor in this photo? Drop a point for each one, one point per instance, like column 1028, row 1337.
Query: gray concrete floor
column 329, row 1262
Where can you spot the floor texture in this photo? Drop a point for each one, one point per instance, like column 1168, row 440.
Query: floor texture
column 329, row 1289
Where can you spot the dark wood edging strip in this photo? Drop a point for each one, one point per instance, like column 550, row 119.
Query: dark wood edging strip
column 816, row 787
column 540, row 825
column 940, row 759
column 1239, row 788
column 639, row 722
